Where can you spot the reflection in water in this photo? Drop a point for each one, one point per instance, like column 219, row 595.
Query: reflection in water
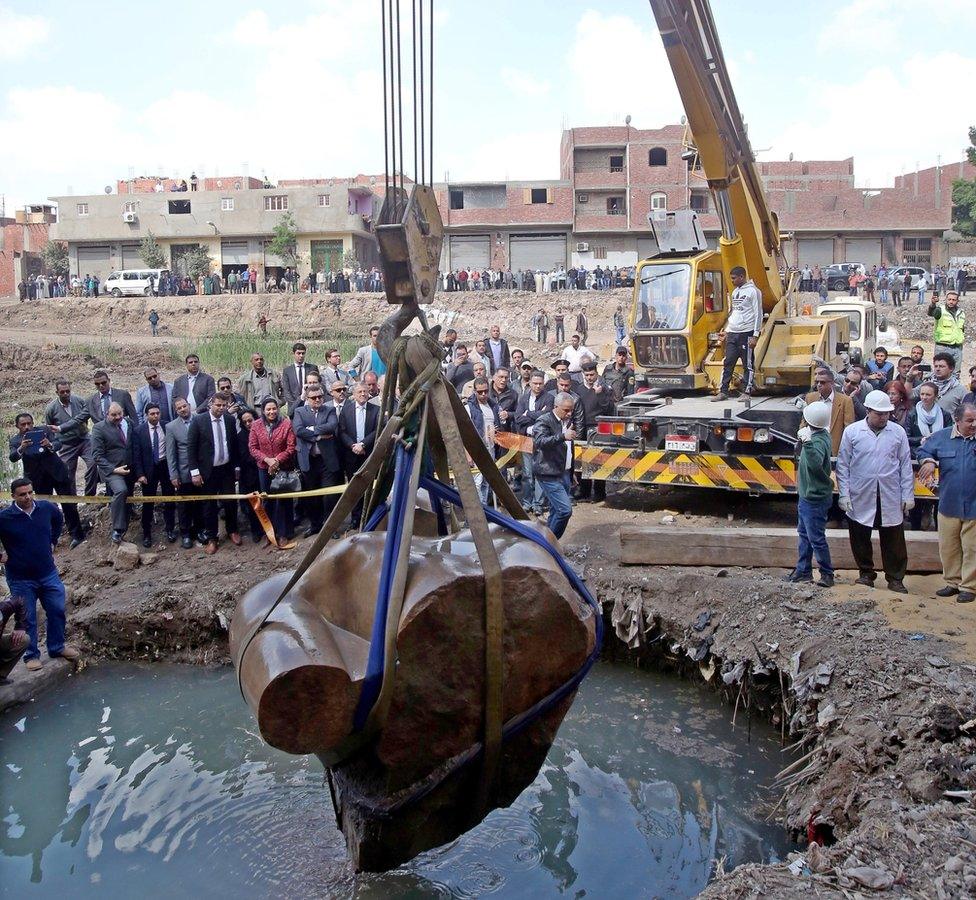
column 153, row 781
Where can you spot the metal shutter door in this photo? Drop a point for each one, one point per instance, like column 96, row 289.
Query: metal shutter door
column 535, row 252
column 815, row 251
column 863, row 250
column 94, row 260
column 470, row 251
column 233, row 253
column 130, row 257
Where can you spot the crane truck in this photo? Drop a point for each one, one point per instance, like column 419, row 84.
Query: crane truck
column 670, row 431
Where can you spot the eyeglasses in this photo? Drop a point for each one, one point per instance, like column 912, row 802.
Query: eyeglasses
column 100, row 383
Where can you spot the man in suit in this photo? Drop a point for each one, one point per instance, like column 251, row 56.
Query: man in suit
column 211, row 449
column 105, row 394
column 315, row 426
column 178, row 466
column 152, row 472
column 367, row 358
column 552, row 459
column 460, row 372
column 842, row 411
column 339, row 392
column 196, row 386
column 532, row 405
column 596, row 399
column 157, row 391
column 357, row 432
column 68, row 416
column 332, row 370
column 293, row 377
column 499, row 356
column 113, row 448
column 45, row 468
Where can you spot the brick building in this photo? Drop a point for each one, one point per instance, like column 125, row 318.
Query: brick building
column 231, row 216
column 595, row 213
column 21, row 240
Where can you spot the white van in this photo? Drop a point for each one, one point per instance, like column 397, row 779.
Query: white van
column 132, row 282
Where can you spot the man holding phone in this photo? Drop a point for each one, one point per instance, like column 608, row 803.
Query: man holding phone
column 37, row 448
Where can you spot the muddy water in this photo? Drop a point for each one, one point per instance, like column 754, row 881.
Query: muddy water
column 152, row 782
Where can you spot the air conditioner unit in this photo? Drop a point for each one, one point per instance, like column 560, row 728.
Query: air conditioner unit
column 582, row 247
column 128, row 217
column 582, row 198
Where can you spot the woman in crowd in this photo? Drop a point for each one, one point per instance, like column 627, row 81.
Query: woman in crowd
column 249, row 480
column 899, row 397
column 272, row 445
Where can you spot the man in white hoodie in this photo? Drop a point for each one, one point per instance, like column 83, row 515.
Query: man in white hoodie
column 741, row 331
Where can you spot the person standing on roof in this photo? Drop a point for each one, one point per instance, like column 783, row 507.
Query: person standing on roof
column 741, row 332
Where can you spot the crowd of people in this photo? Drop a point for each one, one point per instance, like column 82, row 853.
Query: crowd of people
column 558, row 278
column 891, row 285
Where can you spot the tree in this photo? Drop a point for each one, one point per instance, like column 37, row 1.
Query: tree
column 284, row 240
column 964, row 195
column 55, row 257
column 152, row 254
column 197, row 262
column 350, row 260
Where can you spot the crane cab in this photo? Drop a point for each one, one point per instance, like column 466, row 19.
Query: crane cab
column 680, row 304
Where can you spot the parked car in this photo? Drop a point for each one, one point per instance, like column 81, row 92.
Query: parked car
column 132, row 282
column 837, row 275
column 915, row 271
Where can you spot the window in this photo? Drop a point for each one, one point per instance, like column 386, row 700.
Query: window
column 129, row 206
column 616, row 164
column 599, row 252
column 615, row 206
column 275, row 202
column 82, row 209
column 925, row 245
column 540, row 195
column 699, row 202
column 457, row 199
column 659, row 200
column 582, row 198
column 662, row 301
column 909, row 245
column 324, row 200
column 179, row 207
column 711, row 296
column 227, row 204
column 658, row 156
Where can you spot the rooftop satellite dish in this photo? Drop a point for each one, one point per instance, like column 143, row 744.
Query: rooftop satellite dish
column 684, row 120
column 108, row 189
column 627, row 120
column 791, row 157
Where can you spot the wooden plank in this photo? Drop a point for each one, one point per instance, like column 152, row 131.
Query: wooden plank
column 671, row 545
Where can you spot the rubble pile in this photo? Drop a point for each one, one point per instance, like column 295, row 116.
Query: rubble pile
column 879, row 778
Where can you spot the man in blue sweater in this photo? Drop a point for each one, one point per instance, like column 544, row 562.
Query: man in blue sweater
column 29, row 531
column 954, row 451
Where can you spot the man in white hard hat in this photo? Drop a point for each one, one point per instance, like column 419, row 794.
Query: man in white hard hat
column 815, row 491
column 877, row 488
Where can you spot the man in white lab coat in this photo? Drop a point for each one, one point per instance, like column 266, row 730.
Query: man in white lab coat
column 877, row 488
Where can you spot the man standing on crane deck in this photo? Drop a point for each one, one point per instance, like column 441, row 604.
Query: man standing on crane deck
column 741, row 331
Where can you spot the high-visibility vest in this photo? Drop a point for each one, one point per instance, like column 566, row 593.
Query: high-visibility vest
column 950, row 329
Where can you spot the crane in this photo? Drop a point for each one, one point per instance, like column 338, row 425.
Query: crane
column 680, row 297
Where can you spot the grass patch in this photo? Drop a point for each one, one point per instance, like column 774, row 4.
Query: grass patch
column 230, row 353
column 104, row 351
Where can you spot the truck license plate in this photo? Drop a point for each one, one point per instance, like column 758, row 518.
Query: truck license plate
column 684, row 443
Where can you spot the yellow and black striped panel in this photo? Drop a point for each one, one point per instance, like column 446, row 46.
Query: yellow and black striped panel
column 756, row 474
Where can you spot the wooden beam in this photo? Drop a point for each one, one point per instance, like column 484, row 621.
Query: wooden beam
column 671, row 545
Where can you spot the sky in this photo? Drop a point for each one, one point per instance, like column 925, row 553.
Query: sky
column 90, row 93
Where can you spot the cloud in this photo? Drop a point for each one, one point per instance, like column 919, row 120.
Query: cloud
column 834, row 113
column 20, row 34
column 514, row 156
column 524, row 84
column 876, row 24
column 618, row 67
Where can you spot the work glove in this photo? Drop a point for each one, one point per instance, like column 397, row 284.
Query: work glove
column 844, row 503
column 908, row 506
column 805, row 433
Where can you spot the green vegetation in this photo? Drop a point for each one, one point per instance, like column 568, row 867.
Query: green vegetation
column 964, row 195
column 152, row 254
column 197, row 262
column 350, row 260
column 103, row 352
column 284, row 240
column 230, row 353
column 55, row 257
